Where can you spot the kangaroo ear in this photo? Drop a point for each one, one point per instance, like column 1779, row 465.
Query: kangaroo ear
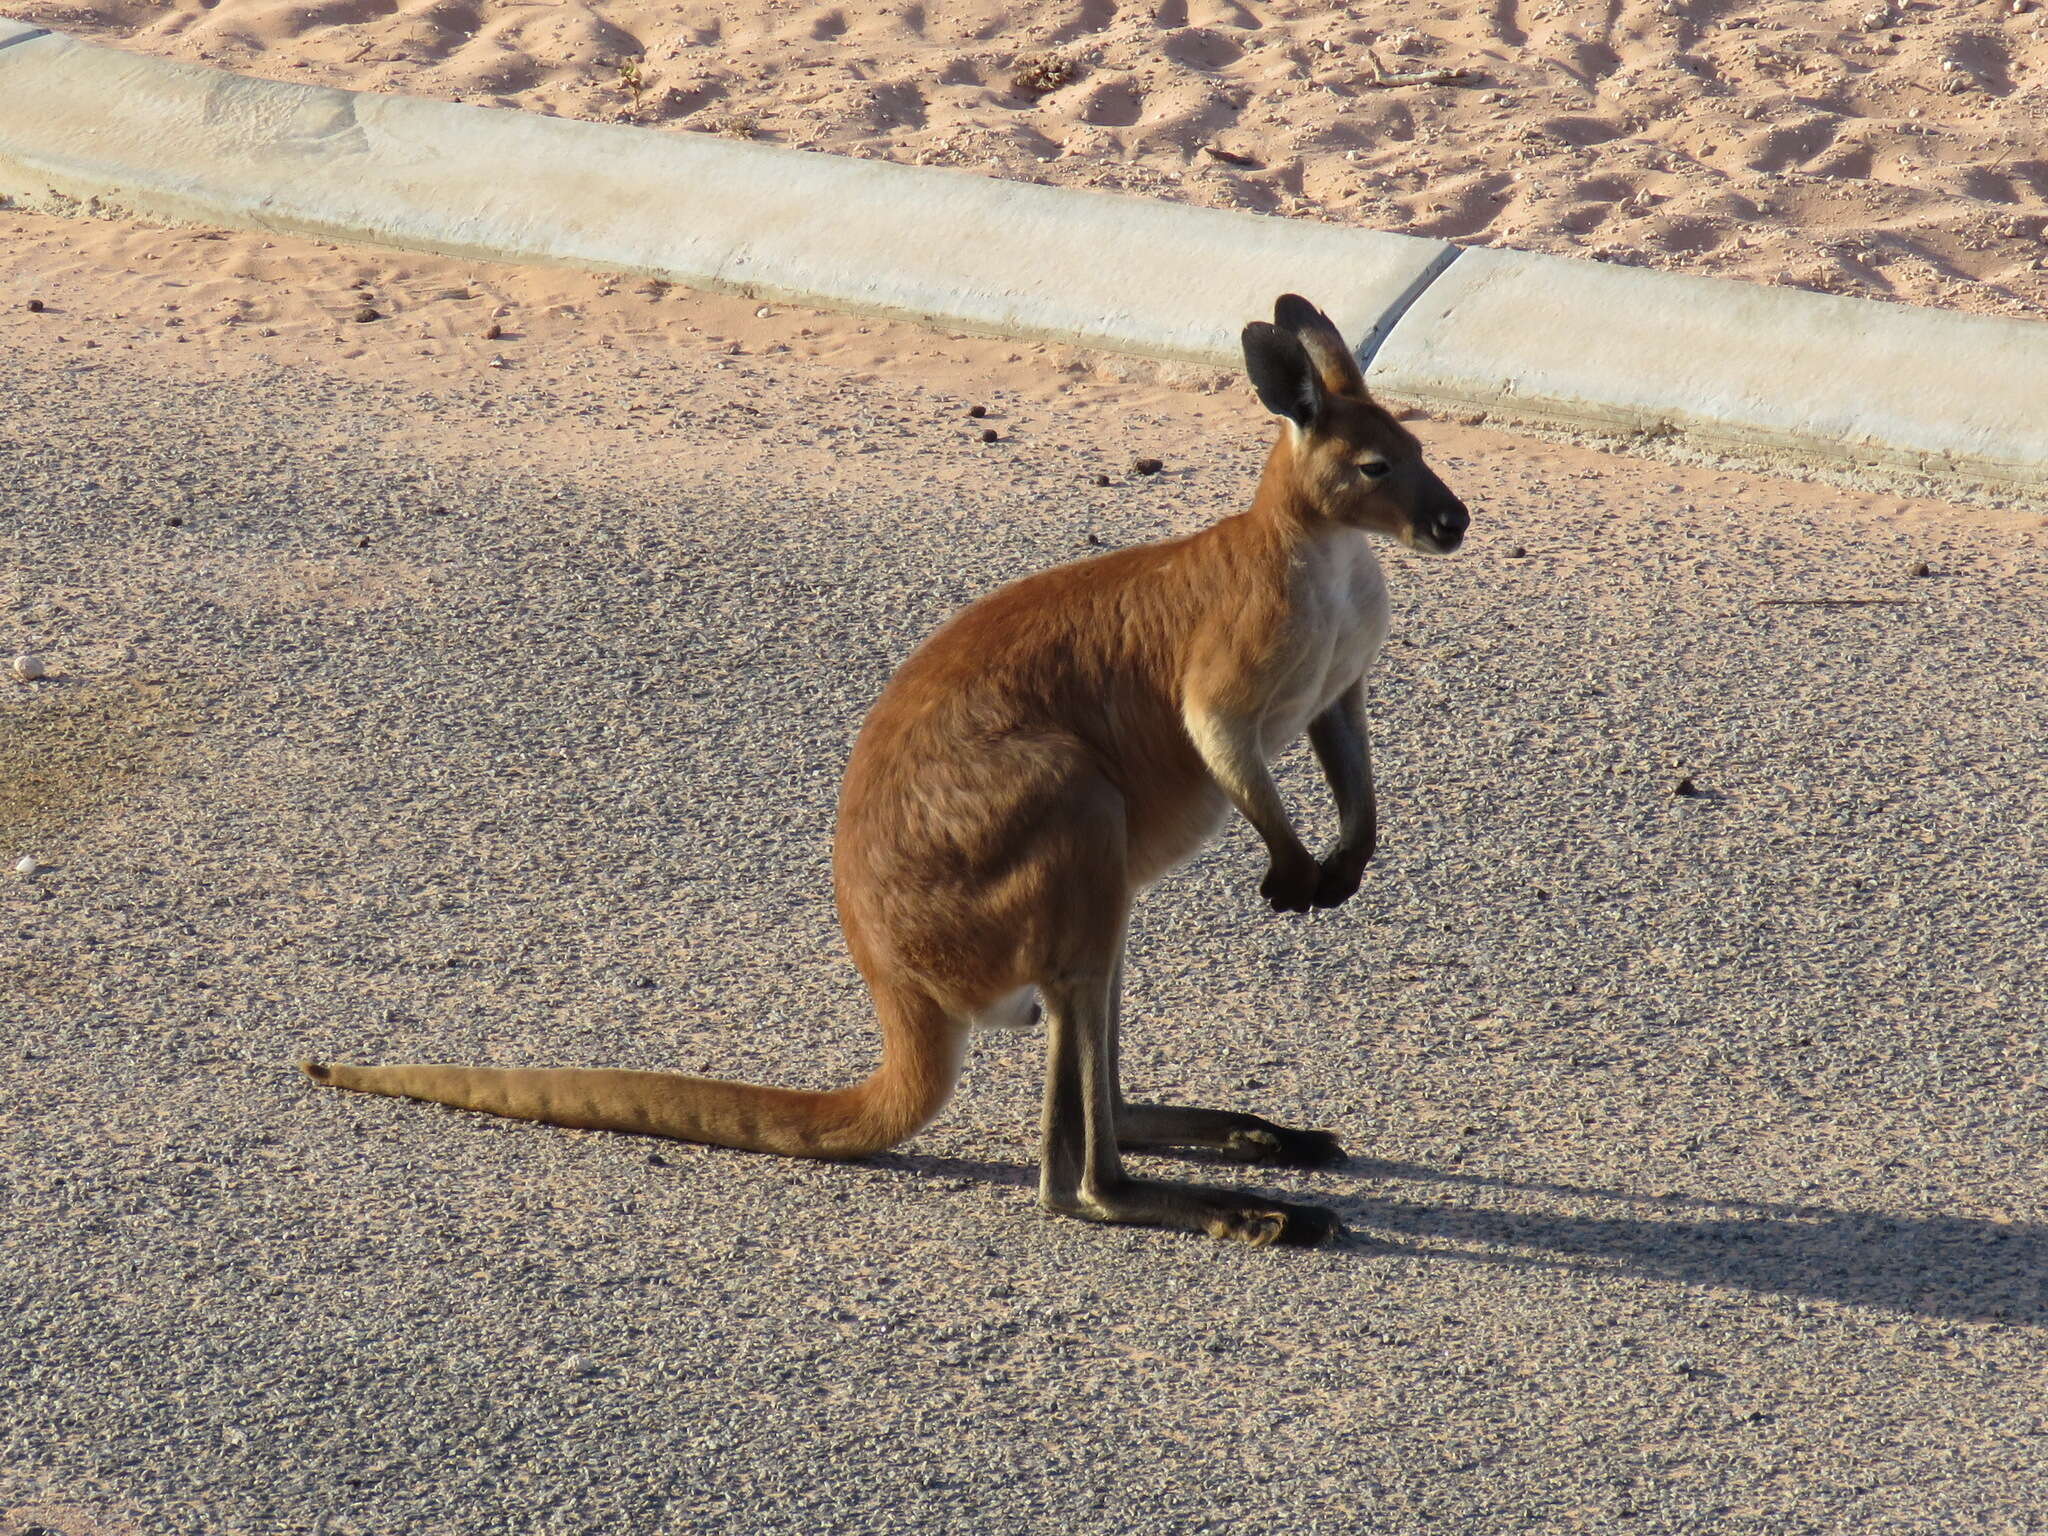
column 1282, row 373
column 1336, row 364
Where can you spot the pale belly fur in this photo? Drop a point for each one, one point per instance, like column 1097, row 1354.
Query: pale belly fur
column 1340, row 594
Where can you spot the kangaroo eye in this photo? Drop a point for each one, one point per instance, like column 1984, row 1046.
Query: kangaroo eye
column 1375, row 469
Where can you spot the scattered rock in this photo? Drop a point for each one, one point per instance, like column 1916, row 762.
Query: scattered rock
column 174, row 522
column 29, row 668
column 1095, row 541
column 366, row 314
column 1102, row 479
column 35, row 306
column 977, row 411
column 764, row 313
column 493, row 331
column 1146, row 466
column 1921, row 568
column 989, row 434
column 1685, row 788
column 1516, row 552
column 28, row 864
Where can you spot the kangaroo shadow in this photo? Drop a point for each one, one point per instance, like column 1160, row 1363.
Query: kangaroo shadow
column 1934, row 1266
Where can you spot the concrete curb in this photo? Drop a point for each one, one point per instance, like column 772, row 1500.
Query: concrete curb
column 171, row 141
column 1739, row 365
column 1538, row 338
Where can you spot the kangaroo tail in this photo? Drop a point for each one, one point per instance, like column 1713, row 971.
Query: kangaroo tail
column 922, row 1048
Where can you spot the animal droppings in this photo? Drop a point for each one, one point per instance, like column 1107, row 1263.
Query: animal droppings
column 1147, row 466
column 35, row 306
column 977, row 411
column 1685, row 787
column 989, row 434
column 1041, row 74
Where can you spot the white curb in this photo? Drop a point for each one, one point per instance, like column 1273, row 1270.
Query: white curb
column 1737, row 364
column 172, row 141
column 1531, row 337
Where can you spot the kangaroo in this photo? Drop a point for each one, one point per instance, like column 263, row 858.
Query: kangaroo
column 1047, row 754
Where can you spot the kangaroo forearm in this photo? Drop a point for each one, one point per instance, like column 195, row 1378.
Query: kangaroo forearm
column 1230, row 752
column 1343, row 747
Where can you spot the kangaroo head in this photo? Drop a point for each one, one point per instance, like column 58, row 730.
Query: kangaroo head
column 1343, row 457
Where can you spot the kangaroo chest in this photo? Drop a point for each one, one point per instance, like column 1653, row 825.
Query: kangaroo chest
column 1338, row 597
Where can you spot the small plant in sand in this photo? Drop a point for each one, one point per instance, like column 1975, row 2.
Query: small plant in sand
column 633, row 81
column 1040, row 73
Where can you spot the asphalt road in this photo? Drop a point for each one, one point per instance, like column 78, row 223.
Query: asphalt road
column 1697, row 1176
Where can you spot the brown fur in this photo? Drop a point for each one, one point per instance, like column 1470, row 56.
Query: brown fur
column 1046, row 754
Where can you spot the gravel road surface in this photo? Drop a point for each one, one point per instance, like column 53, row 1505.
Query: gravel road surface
column 1698, row 1148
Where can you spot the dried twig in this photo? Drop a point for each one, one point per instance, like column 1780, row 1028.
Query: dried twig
column 1230, row 159
column 1381, row 75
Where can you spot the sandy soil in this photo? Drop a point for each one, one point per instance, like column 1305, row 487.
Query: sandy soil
column 403, row 704
column 1889, row 148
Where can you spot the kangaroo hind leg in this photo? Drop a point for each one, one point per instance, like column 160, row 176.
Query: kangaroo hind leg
column 1082, row 1172
column 1241, row 1137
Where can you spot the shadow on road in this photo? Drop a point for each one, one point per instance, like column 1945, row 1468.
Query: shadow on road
column 1931, row 1266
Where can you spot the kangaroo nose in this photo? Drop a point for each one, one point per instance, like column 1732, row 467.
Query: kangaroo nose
column 1451, row 523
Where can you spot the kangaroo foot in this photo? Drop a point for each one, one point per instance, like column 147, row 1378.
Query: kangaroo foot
column 1226, row 1214
column 1244, row 1138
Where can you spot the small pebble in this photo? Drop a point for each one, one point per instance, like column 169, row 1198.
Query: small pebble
column 1147, row 466
column 989, row 434
column 1685, row 787
column 175, row 522
column 1102, row 479
column 764, row 313
column 1516, row 552
column 493, row 331
column 977, row 411
column 29, row 668
column 363, row 542
column 35, row 306
column 1092, row 539
column 1921, row 568
column 367, row 314
column 29, row 864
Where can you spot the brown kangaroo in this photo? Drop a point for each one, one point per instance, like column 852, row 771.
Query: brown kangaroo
column 1046, row 755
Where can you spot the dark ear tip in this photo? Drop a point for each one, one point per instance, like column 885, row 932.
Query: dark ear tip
column 1291, row 312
